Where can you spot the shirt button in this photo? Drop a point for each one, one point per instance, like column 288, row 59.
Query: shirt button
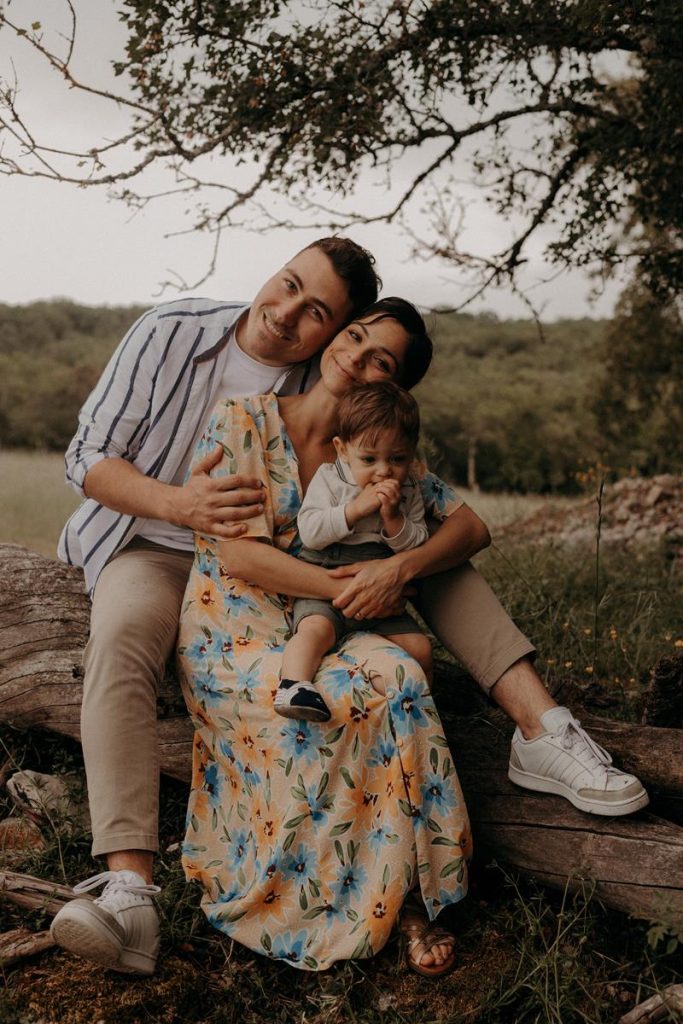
column 399, row 744
column 391, row 693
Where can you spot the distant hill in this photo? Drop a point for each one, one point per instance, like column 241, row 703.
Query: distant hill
column 502, row 408
column 507, row 409
column 51, row 355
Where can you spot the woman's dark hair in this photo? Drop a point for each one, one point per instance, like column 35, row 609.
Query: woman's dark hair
column 420, row 349
column 355, row 266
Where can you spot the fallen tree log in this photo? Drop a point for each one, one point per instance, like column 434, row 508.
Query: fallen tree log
column 34, row 893
column 666, row 1005
column 636, row 863
column 20, row 943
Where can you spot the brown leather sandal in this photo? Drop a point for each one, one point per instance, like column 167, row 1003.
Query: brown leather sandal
column 423, row 935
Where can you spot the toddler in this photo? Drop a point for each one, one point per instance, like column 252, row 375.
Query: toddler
column 363, row 506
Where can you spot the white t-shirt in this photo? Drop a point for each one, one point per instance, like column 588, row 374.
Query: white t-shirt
column 242, row 376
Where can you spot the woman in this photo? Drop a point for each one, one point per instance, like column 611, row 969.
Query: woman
column 307, row 839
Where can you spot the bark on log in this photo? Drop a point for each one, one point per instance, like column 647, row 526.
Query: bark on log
column 637, row 862
column 664, row 1006
column 33, row 893
column 20, row 943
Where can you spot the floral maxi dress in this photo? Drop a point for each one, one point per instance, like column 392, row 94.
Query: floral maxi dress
column 305, row 837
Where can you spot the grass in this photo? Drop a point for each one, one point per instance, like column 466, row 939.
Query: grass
column 35, row 502
column 525, row 954
column 551, row 592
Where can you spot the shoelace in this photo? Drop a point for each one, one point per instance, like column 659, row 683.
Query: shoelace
column 571, row 734
column 113, row 883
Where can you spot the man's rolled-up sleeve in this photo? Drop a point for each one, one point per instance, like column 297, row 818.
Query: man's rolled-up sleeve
column 114, row 418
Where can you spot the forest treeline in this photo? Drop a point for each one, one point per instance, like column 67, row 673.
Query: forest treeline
column 503, row 408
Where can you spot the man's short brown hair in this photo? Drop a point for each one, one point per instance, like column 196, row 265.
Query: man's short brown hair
column 367, row 410
column 355, row 266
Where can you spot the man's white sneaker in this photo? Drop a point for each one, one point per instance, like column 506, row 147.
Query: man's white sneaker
column 120, row 929
column 566, row 761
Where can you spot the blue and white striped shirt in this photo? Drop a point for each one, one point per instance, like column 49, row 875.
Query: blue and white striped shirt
column 158, row 386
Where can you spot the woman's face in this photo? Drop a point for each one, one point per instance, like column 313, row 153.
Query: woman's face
column 364, row 352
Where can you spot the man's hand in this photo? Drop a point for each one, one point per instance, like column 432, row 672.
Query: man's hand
column 377, row 589
column 217, row 506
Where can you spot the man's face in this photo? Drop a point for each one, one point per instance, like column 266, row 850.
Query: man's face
column 296, row 312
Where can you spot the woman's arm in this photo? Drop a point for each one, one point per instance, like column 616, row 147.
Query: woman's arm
column 378, row 585
column 276, row 571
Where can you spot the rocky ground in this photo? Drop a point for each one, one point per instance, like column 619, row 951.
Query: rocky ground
column 632, row 512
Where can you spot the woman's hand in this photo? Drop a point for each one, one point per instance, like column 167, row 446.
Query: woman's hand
column 375, row 590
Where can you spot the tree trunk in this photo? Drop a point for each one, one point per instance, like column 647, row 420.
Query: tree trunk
column 472, row 464
column 636, row 863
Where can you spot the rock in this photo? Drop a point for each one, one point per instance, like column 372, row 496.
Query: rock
column 653, row 495
column 19, row 839
column 57, row 799
column 635, row 511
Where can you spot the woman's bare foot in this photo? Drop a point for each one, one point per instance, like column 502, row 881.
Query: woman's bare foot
column 430, row 948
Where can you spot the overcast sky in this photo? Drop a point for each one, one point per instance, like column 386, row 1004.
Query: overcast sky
column 59, row 240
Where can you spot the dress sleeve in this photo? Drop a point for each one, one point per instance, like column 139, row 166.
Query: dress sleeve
column 234, row 425
column 439, row 498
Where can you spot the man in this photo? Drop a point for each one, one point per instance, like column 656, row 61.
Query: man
column 133, row 537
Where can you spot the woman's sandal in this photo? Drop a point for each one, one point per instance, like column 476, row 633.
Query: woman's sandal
column 423, row 935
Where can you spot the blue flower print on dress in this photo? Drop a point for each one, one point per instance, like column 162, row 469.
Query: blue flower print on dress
column 208, row 689
column 205, row 565
column 407, row 706
column 213, row 783
column 246, row 680
column 382, row 754
column 288, row 500
column 218, row 916
column 436, row 494
column 434, row 904
column 379, row 836
column 297, row 741
column 318, row 805
column 225, row 750
column 349, row 882
column 205, row 647
column 338, row 682
column 237, row 848
column 256, row 413
column 438, row 792
column 288, row 947
column 250, row 776
column 300, row 864
column 236, row 604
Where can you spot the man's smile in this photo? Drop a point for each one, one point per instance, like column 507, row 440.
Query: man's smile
column 272, row 328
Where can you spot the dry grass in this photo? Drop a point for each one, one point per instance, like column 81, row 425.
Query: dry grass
column 500, row 509
column 34, row 499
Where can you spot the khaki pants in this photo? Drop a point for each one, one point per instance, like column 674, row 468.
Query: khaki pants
column 136, row 606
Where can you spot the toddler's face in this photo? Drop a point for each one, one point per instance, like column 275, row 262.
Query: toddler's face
column 388, row 457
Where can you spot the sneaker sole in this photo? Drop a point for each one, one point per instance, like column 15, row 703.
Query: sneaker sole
column 613, row 809
column 84, row 934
